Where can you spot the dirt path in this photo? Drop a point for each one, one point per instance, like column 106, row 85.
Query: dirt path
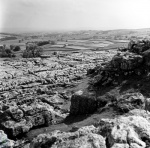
column 74, row 121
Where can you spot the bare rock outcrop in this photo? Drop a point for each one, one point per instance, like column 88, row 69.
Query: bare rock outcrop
column 126, row 131
column 122, row 65
column 130, row 130
column 16, row 120
column 83, row 138
column 28, row 87
column 130, row 101
column 130, row 61
column 138, row 46
column 4, row 141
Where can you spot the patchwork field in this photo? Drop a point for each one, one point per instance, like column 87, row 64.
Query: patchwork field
column 71, row 45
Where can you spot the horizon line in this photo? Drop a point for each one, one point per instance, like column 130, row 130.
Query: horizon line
column 63, row 30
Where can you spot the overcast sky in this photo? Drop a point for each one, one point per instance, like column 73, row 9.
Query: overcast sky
column 40, row 15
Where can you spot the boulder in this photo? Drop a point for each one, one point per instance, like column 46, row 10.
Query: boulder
column 83, row 103
column 4, row 141
column 14, row 129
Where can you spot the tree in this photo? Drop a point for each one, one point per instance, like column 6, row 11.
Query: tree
column 17, row 48
column 7, row 53
column 32, row 51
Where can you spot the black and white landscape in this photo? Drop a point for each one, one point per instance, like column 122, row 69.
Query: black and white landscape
column 74, row 74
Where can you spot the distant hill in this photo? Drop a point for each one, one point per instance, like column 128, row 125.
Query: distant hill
column 10, row 34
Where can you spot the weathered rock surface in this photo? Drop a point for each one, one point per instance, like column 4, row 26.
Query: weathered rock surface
column 126, row 131
column 129, row 130
column 16, row 120
column 130, row 101
column 4, row 141
column 86, row 102
column 131, row 61
column 122, row 65
column 28, row 89
column 28, row 98
column 83, row 138
column 83, row 103
column 138, row 46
